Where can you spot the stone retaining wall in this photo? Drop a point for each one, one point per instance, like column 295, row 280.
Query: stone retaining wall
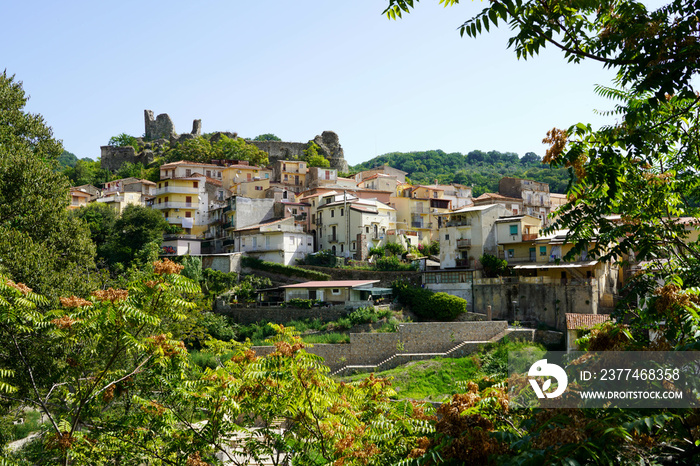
column 411, row 338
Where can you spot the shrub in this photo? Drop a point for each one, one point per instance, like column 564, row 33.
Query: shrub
column 494, row 267
column 324, row 258
column 253, row 263
column 392, row 263
column 302, row 303
column 394, row 248
column 427, row 304
column 363, row 315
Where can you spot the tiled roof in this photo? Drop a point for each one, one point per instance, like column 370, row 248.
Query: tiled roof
column 332, row 284
column 185, row 162
column 500, row 197
column 584, row 321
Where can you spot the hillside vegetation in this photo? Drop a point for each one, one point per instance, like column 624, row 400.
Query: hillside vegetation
column 481, row 170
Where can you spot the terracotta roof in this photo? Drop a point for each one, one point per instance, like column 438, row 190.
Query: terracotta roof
column 500, row 197
column 263, row 224
column 185, row 162
column 585, row 321
column 245, row 167
column 332, row 284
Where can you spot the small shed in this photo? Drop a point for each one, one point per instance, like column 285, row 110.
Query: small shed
column 332, row 291
column 577, row 324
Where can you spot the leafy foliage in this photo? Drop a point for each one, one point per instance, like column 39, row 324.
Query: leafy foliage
column 123, row 140
column 202, row 150
column 428, row 304
column 266, row 137
column 40, row 243
column 494, row 267
column 481, row 170
column 257, row 264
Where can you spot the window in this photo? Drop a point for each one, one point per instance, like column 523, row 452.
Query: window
column 166, row 184
column 335, row 291
column 511, row 253
column 543, row 250
column 166, row 199
column 294, row 211
column 332, row 213
column 208, row 173
column 342, row 212
column 447, row 237
column 188, row 214
column 195, row 184
column 188, row 172
column 342, row 248
column 353, row 246
column 258, row 188
column 366, row 229
column 514, row 229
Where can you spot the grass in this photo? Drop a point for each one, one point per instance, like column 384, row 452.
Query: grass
column 438, row 379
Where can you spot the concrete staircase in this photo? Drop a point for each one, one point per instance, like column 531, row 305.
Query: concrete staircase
column 459, row 350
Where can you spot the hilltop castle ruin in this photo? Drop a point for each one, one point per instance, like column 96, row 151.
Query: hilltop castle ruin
column 160, row 131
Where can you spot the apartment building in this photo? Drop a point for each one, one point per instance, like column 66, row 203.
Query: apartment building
column 277, row 240
column 535, row 196
column 513, row 205
column 242, row 172
column 516, row 236
column 349, row 226
column 290, row 173
column 469, row 233
column 190, row 202
column 120, row 193
column 186, row 169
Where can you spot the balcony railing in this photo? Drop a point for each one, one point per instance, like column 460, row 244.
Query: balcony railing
column 167, row 237
column 416, row 224
column 332, row 239
column 176, row 190
column 174, row 220
column 175, row 205
column 464, row 243
column 460, row 223
column 462, row 262
column 229, row 242
column 111, row 199
column 529, row 236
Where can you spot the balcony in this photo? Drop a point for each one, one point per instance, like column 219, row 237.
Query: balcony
column 416, row 224
column 229, row 242
column 176, row 190
column 464, row 243
column 460, row 223
column 111, row 199
column 169, row 237
column 332, row 239
column 174, row 220
column 175, row 205
column 529, row 236
column 462, row 263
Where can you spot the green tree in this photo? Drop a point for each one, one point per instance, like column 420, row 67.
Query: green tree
column 313, row 158
column 100, row 219
column 632, row 190
column 67, row 159
column 123, row 140
column 40, row 243
column 133, row 230
column 266, row 137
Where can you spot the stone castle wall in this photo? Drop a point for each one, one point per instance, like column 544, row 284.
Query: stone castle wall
column 161, row 128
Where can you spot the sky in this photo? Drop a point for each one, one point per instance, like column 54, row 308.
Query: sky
column 292, row 68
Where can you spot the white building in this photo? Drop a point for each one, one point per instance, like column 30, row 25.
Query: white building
column 281, row 241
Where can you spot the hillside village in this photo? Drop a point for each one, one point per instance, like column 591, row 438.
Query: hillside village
column 285, row 211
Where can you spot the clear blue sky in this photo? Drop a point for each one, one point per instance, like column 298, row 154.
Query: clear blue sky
column 293, row 69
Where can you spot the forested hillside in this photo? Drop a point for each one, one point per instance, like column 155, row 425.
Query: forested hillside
column 481, row 170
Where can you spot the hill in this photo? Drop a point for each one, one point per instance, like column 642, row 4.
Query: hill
column 481, row 170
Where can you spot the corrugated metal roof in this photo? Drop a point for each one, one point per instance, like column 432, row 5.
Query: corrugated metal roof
column 584, row 321
column 332, row 284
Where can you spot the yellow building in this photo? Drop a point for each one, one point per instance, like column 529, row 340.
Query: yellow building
column 242, row 172
column 255, row 189
column 187, row 202
column 290, row 173
column 516, row 238
column 78, row 198
column 418, row 209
